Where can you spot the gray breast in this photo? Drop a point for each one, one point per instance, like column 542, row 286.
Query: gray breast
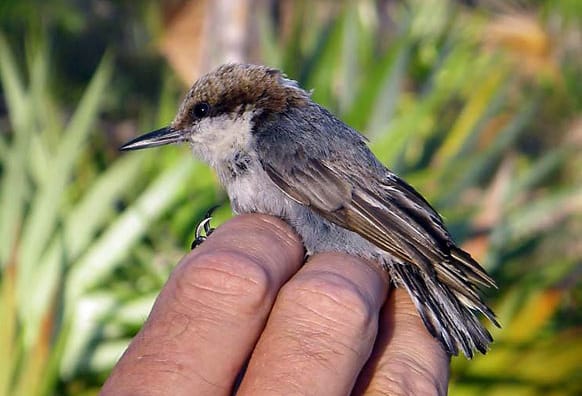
column 254, row 192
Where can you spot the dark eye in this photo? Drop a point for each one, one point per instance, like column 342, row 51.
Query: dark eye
column 201, row 110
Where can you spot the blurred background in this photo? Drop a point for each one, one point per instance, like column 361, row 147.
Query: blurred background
column 476, row 103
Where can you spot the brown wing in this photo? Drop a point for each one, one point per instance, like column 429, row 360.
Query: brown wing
column 388, row 213
column 305, row 154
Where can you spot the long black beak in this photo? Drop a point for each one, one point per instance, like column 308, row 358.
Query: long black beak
column 159, row 137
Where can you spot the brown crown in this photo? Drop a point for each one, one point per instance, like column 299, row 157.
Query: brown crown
column 240, row 87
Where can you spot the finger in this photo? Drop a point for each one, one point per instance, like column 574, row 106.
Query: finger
column 321, row 329
column 406, row 359
column 210, row 313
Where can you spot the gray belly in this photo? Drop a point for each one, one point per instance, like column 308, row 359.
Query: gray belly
column 254, row 192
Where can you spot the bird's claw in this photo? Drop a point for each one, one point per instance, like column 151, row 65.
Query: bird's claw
column 204, row 225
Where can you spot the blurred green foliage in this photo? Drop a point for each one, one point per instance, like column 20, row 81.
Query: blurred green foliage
column 483, row 118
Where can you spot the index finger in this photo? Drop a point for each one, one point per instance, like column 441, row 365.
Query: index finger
column 321, row 329
column 210, row 313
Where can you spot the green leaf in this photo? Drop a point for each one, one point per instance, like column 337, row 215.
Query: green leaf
column 13, row 187
column 113, row 245
column 42, row 220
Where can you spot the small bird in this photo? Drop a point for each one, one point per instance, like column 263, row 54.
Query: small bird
column 278, row 152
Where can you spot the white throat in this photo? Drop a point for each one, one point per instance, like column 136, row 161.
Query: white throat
column 218, row 140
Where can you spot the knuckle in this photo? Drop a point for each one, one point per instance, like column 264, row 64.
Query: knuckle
column 408, row 378
column 333, row 297
column 406, row 386
column 228, row 279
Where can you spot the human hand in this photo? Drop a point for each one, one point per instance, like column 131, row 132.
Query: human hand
column 243, row 299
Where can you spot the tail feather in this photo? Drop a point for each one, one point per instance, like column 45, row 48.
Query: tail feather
column 471, row 268
column 448, row 302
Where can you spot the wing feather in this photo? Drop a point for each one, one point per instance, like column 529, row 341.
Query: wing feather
column 393, row 216
column 369, row 200
column 378, row 217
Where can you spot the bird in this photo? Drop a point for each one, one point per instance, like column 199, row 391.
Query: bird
column 278, row 152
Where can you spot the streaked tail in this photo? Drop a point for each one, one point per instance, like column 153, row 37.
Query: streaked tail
column 448, row 303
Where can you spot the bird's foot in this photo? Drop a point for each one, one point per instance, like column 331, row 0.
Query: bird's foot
column 204, row 225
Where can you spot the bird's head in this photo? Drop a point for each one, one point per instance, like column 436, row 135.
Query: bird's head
column 222, row 109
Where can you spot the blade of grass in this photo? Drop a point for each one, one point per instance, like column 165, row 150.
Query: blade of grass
column 96, row 206
column 319, row 73
column 390, row 87
column 13, row 186
column 108, row 251
column 473, row 169
column 95, row 311
column 270, row 51
column 540, row 169
column 80, row 225
column 44, row 209
column 476, row 108
column 14, row 91
column 542, row 214
column 8, row 318
column 35, row 361
column 349, row 61
column 376, row 98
